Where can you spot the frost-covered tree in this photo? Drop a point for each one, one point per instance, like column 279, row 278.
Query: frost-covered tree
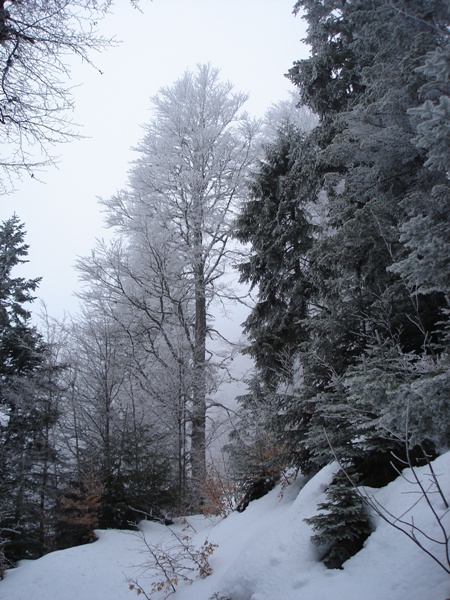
column 173, row 226
column 112, row 439
column 374, row 178
column 425, row 234
column 28, row 407
column 375, row 268
column 434, row 114
column 129, row 285
column 36, row 39
column 274, row 221
column 342, row 525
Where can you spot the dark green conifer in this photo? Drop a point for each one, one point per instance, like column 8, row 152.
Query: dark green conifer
column 342, row 524
column 27, row 409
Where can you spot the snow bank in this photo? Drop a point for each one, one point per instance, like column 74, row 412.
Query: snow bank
column 263, row 554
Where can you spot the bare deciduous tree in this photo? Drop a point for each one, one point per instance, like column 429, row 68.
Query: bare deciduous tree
column 37, row 37
column 175, row 222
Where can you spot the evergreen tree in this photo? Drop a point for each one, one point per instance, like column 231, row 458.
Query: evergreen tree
column 19, row 341
column 27, row 407
column 380, row 173
column 343, row 524
column 425, row 233
column 331, row 77
column 373, row 347
column 274, row 221
column 374, row 176
column 434, row 114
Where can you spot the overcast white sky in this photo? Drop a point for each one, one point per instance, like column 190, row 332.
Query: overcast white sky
column 252, row 42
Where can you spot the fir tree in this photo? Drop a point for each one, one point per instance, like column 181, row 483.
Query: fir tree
column 374, row 176
column 27, row 407
column 377, row 304
column 342, row 525
column 274, row 221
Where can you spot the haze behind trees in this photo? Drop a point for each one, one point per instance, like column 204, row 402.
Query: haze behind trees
column 346, row 227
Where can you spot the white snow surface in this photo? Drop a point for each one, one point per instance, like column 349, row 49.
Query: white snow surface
column 263, row 553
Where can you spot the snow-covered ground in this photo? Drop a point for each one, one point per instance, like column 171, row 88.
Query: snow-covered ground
column 263, row 553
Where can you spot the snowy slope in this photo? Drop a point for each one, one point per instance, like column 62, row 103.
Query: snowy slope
column 262, row 554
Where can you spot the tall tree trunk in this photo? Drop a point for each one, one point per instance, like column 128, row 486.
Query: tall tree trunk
column 198, row 435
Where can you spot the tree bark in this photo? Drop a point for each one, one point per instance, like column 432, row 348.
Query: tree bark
column 198, row 434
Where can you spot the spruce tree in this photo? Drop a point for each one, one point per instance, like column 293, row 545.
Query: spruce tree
column 375, row 328
column 375, row 178
column 19, row 341
column 274, row 221
column 342, row 524
column 27, row 408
